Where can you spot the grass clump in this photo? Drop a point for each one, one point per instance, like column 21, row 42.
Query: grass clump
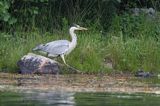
column 13, row 47
column 134, row 54
column 87, row 56
column 134, row 43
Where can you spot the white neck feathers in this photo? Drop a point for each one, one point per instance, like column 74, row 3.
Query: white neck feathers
column 73, row 36
column 73, row 43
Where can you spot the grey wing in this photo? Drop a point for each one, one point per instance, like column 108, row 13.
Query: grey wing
column 56, row 47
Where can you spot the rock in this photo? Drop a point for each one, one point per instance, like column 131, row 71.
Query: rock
column 32, row 63
column 141, row 73
column 108, row 63
column 149, row 11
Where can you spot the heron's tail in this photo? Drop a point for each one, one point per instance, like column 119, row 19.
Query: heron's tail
column 39, row 47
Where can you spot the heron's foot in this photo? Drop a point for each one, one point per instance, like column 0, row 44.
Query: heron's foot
column 71, row 68
column 74, row 69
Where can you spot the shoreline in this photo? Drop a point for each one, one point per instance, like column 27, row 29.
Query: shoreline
column 75, row 83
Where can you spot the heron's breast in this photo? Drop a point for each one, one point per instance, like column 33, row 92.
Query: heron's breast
column 71, row 47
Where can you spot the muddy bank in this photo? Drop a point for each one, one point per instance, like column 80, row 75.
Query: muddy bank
column 76, row 83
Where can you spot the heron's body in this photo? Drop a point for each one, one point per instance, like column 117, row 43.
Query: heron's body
column 55, row 48
column 60, row 47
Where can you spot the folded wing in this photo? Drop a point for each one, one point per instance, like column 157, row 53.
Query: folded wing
column 56, row 47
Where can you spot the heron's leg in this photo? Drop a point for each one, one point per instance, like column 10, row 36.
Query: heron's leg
column 62, row 56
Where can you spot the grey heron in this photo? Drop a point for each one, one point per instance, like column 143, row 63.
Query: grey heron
column 60, row 47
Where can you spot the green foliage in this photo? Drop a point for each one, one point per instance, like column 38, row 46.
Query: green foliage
column 4, row 12
column 49, row 15
column 136, row 26
column 126, row 4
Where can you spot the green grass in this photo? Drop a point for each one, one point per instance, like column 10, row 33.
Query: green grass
column 88, row 56
column 84, row 57
column 128, row 49
column 14, row 47
column 134, row 54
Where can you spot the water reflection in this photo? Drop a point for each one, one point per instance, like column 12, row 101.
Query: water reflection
column 58, row 98
column 116, row 99
column 61, row 98
column 37, row 98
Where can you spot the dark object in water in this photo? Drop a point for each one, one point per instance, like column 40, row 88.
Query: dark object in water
column 141, row 73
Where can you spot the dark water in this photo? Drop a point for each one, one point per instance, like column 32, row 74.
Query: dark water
column 59, row 98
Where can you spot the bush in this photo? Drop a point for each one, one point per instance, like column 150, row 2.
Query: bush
column 48, row 15
column 136, row 26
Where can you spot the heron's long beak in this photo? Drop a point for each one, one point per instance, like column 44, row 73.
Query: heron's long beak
column 82, row 28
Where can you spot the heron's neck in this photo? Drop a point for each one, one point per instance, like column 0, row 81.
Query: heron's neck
column 73, row 36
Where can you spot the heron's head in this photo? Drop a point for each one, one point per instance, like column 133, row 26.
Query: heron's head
column 39, row 47
column 77, row 27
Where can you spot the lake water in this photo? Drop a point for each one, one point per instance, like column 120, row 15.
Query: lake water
column 60, row 98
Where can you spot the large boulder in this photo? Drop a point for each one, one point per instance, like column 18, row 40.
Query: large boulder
column 32, row 63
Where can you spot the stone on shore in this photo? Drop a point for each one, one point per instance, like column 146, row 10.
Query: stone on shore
column 32, row 63
column 148, row 11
